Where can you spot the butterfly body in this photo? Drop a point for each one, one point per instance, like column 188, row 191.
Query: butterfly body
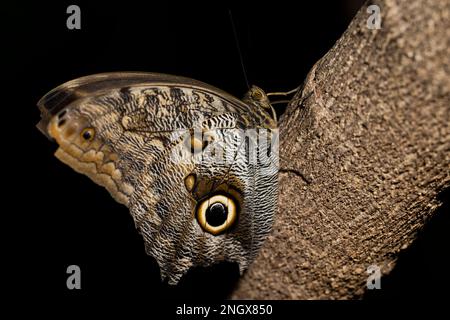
column 196, row 167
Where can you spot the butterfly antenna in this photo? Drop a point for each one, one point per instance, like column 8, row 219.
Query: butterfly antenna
column 280, row 101
column 283, row 93
column 239, row 49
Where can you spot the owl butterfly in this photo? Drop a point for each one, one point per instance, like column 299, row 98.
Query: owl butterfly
column 196, row 167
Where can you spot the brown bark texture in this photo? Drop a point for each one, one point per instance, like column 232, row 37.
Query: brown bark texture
column 365, row 152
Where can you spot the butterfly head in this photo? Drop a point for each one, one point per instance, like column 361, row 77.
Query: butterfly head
column 257, row 97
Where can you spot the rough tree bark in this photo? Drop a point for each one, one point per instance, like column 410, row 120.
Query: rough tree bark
column 365, row 149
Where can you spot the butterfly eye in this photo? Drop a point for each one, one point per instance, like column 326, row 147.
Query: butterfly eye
column 88, row 134
column 217, row 214
column 257, row 95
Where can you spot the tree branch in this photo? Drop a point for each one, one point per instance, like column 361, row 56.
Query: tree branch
column 365, row 151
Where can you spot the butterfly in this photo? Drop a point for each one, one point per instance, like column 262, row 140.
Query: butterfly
column 197, row 167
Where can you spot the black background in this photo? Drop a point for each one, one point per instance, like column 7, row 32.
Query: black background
column 62, row 218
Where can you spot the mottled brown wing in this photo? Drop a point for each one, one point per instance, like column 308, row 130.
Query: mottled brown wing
column 136, row 135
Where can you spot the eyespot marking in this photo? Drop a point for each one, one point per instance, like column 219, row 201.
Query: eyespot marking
column 217, row 213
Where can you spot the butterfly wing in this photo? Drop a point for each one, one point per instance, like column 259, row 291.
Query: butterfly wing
column 185, row 157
